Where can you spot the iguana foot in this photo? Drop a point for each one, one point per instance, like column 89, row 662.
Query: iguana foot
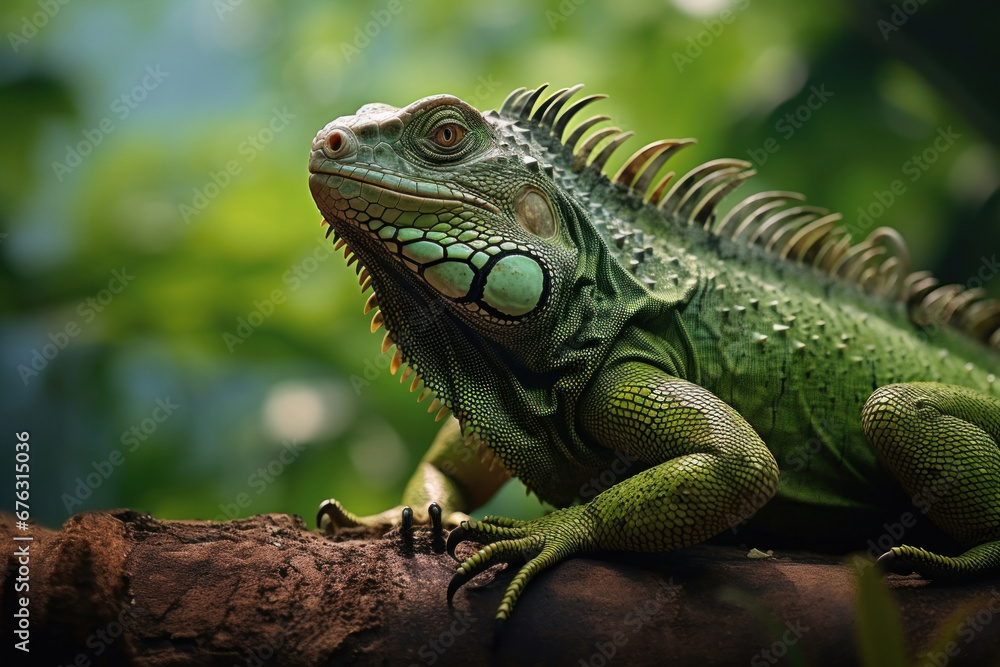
column 541, row 542
column 941, row 442
column 332, row 517
column 978, row 561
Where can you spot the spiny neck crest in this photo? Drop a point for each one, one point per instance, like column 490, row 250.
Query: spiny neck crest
column 777, row 221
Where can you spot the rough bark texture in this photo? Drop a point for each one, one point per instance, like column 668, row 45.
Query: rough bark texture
column 121, row 587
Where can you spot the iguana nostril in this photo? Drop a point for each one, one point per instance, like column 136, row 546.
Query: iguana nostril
column 335, row 141
column 339, row 144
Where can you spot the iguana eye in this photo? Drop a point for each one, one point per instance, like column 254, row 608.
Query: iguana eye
column 448, row 135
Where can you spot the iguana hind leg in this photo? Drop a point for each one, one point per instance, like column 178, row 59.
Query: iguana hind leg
column 941, row 443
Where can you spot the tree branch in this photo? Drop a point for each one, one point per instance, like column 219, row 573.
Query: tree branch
column 121, row 587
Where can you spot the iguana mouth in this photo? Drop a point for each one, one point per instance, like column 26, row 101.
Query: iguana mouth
column 410, row 193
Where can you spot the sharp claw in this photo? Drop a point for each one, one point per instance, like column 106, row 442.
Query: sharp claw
column 890, row 562
column 457, row 582
column 407, row 522
column 325, row 510
column 456, row 537
column 435, row 511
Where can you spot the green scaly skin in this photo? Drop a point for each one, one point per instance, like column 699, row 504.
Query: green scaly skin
column 581, row 328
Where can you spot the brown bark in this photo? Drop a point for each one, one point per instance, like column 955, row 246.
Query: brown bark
column 120, row 587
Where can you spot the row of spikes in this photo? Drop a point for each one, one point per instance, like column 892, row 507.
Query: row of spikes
column 487, row 457
column 378, row 321
column 486, row 454
column 775, row 220
column 966, row 309
column 692, row 198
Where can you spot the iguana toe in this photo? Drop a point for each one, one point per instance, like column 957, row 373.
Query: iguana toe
column 457, row 581
column 331, row 515
column 541, row 542
column 434, row 510
column 456, row 537
column 892, row 562
column 979, row 561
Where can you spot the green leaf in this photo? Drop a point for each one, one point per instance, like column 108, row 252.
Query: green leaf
column 879, row 630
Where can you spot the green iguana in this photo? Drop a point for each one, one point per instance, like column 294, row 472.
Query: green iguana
column 613, row 342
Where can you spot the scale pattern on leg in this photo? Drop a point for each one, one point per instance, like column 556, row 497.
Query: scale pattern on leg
column 709, row 470
column 941, row 443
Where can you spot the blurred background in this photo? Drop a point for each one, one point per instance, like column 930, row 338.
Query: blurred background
column 175, row 335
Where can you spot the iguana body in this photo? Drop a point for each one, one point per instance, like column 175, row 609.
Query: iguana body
column 584, row 328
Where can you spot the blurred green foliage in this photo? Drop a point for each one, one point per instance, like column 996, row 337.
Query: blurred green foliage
column 168, row 143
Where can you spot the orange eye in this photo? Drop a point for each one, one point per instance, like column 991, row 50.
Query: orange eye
column 448, row 135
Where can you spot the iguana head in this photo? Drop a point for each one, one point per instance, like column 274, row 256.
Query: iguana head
column 487, row 272
column 432, row 191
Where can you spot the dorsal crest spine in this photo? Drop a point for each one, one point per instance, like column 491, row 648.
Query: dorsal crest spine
column 779, row 222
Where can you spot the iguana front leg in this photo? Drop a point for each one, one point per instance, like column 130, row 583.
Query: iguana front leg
column 941, row 443
column 449, row 481
column 709, row 470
